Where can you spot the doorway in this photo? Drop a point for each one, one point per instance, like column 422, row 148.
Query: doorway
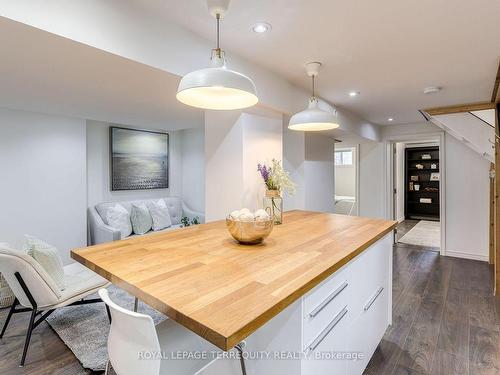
column 415, row 188
column 346, row 180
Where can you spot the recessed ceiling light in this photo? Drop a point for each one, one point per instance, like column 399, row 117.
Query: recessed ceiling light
column 432, row 90
column 261, row 27
column 390, row 119
column 354, row 93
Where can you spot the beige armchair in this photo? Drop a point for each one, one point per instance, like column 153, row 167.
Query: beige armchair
column 37, row 293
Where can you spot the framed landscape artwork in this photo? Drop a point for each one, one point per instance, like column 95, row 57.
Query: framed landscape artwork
column 139, row 159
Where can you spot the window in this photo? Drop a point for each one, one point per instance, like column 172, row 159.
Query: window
column 343, row 157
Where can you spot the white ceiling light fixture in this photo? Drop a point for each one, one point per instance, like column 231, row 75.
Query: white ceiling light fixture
column 217, row 87
column 313, row 118
column 432, row 90
column 261, row 27
column 390, row 119
column 354, row 93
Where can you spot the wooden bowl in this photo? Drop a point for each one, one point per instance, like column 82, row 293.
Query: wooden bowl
column 249, row 232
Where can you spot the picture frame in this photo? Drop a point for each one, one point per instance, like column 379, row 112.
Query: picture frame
column 139, row 159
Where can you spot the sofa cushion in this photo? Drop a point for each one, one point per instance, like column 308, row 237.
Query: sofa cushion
column 159, row 213
column 140, row 218
column 174, row 205
column 118, row 217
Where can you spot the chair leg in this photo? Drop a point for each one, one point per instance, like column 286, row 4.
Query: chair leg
column 28, row 337
column 11, row 311
column 108, row 312
column 239, row 348
column 136, row 304
column 108, row 365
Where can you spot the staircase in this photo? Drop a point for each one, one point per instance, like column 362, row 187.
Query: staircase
column 476, row 129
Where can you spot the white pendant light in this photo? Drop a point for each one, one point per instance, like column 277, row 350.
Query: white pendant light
column 217, row 87
column 313, row 118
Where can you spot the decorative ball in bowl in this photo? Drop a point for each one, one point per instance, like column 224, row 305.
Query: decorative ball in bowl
column 249, row 228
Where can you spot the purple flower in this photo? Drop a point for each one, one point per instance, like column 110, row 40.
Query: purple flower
column 264, row 171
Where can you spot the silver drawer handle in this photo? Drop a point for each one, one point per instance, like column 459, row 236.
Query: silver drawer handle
column 323, row 304
column 328, row 328
column 370, row 302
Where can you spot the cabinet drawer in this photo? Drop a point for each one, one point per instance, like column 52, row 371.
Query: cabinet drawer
column 368, row 329
column 317, row 319
column 370, row 268
column 327, row 292
column 321, row 358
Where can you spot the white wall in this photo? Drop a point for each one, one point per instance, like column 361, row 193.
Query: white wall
column 43, row 189
column 293, row 161
column 186, row 167
column 262, row 142
column 98, row 168
column 371, row 179
column 308, row 157
column 234, row 143
column 319, row 173
column 467, row 201
column 223, row 163
column 193, row 168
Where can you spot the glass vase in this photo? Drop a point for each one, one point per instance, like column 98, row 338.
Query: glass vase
column 273, row 204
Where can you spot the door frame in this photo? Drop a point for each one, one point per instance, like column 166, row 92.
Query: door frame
column 389, row 166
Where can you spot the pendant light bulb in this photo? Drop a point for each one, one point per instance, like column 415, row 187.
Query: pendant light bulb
column 217, row 87
column 313, row 118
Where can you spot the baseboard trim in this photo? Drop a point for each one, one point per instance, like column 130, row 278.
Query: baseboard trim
column 458, row 254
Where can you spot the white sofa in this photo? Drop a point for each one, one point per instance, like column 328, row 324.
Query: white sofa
column 100, row 231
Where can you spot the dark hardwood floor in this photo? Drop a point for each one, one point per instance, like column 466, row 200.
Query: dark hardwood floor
column 445, row 318
column 445, row 321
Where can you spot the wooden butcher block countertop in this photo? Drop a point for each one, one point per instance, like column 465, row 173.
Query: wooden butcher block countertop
column 221, row 290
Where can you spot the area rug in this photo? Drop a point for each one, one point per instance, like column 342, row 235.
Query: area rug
column 425, row 233
column 84, row 329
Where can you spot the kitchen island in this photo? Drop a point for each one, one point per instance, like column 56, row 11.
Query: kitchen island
column 320, row 284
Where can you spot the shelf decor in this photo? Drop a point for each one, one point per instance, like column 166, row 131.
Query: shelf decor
column 422, row 178
column 277, row 181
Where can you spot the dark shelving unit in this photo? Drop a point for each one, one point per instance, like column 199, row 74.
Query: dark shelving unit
column 419, row 183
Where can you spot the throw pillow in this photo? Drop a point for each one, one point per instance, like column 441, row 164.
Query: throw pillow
column 48, row 257
column 160, row 215
column 119, row 218
column 141, row 219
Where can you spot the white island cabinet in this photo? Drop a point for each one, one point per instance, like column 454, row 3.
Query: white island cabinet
column 333, row 329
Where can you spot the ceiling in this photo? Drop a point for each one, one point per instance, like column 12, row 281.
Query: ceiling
column 388, row 50
column 46, row 73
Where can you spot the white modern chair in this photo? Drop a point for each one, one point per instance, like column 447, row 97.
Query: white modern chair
column 135, row 346
column 35, row 290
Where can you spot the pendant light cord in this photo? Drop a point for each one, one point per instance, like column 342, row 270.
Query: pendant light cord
column 313, row 87
column 217, row 49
